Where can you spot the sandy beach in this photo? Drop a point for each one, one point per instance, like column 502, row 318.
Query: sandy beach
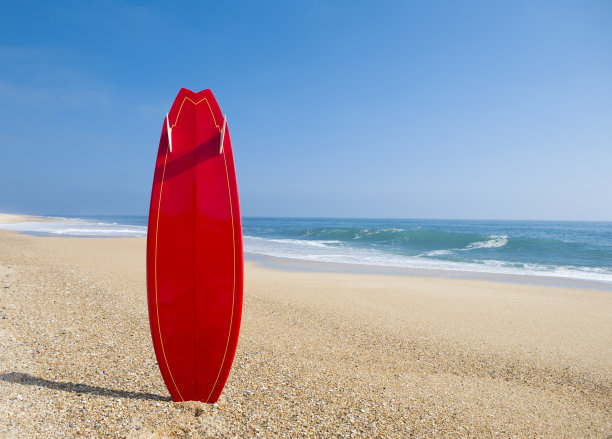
column 320, row 354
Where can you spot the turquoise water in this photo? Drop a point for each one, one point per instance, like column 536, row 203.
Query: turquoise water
column 578, row 250
column 581, row 250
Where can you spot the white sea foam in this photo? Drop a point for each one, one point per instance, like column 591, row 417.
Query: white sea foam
column 313, row 243
column 437, row 253
column 77, row 227
column 495, row 241
column 306, row 250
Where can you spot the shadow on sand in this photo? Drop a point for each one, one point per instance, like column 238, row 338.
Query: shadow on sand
column 29, row 380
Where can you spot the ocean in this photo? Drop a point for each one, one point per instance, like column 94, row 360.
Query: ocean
column 563, row 249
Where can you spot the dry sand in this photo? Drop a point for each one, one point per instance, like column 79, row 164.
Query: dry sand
column 320, row 354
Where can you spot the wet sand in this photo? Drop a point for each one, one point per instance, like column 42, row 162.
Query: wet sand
column 320, row 354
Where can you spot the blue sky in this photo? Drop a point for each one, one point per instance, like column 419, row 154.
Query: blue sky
column 336, row 109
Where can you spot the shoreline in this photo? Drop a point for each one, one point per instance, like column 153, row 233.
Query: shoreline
column 13, row 218
column 303, row 265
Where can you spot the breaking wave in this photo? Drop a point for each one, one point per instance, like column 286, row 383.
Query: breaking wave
column 570, row 250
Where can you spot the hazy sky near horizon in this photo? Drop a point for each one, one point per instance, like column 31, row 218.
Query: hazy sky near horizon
column 337, row 109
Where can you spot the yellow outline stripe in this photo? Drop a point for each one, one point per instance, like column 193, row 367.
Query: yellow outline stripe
column 233, row 276
column 161, row 341
column 195, row 104
column 233, row 247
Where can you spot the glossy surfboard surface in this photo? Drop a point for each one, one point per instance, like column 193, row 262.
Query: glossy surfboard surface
column 194, row 250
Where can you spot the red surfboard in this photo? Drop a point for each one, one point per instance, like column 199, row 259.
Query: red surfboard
column 194, row 250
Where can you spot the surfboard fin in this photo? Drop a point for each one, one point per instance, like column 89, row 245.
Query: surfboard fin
column 169, row 133
column 222, row 134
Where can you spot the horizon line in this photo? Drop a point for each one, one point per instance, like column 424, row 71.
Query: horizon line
column 397, row 218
